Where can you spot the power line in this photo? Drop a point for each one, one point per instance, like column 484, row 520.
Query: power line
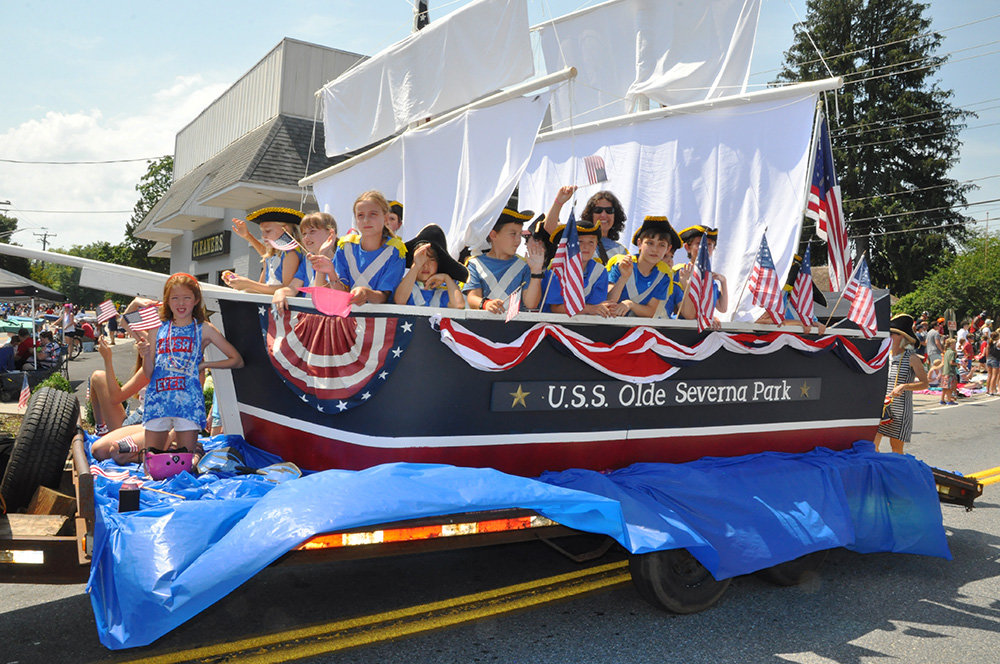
column 913, row 191
column 76, row 211
column 937, row 115
column 839, row 130
column 915, row 69
column 75, row 163
column 915, row 136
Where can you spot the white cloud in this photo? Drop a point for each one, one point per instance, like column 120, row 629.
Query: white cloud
column 94, row 135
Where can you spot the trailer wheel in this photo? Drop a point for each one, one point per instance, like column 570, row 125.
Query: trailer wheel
column 675, row 580
column 41, row 446
column 794, row 572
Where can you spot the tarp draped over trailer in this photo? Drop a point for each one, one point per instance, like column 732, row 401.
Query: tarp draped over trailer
column 158, row 567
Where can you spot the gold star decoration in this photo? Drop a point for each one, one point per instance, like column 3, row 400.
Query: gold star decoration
column 519, row 396
column 805, row 389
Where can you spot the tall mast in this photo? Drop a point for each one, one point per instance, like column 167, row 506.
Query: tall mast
column 421, row 17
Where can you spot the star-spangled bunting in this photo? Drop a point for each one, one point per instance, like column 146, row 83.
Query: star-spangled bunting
column 859, row 294
column 284, row 243
column 826, row 209
column 801, row 297
column 701, row 287
column 568, row 266
column 333, row 364
column 22, row 402
column 147, row 318
column 764, row 284
column 106, row 311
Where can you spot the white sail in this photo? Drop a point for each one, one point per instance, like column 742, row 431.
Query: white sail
column 670, row 51
column 739, row 168
column 458, row 174
column 474, row 51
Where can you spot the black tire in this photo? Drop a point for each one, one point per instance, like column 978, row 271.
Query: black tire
column 674, row 580
column 794, row 572
column 41, row 446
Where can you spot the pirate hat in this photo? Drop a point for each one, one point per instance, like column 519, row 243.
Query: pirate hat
column 660, row 226
column 581, row 228
column 278, row 214
column 397, row 208
column 793, row 274
column 691, row 232
column 510, row 216
column 903, row 324
column 433, row 235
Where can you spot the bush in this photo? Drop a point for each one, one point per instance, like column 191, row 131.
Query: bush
column 57, row 381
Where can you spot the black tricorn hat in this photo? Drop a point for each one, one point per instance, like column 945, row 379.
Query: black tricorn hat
column 793, row 274
column 433, row 235
column 582, row 228
column 396, row 208
column 279, row 214
column 903, row 323
column 509, row 216
column 691, row 232
column 658, row 225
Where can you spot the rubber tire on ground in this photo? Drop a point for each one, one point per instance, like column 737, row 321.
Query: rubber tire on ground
column 794, row 572
column 674, row 580
column 41, row 446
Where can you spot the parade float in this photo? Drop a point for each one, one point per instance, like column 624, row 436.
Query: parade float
column 431, row 428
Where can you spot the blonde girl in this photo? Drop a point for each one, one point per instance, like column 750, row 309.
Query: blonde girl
column 370, row 263
column 279, row 266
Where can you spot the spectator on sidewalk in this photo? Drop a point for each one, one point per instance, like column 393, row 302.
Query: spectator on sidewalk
column 935, row 341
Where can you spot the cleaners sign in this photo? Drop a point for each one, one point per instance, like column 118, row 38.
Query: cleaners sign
column 586, row 395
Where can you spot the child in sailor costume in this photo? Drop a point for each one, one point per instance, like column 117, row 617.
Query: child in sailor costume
column 595, row 277
column 370, row 263
column 493, row 276
column 279, row 266
column 646, row 283
column 319, row 237
column 692, row 237
column 433, row 276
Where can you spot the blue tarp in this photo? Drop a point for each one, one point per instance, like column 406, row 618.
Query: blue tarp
column 158, row 567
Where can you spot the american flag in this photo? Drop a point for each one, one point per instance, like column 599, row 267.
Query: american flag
column 764, row 284
column 826, row 209
column 859, row 294
column 700, row 286
column 22, row 403
column 284, row 243
column 106, row 311
column 568, row 266
column 595, row 169
column 147, row 318
column 801, row 297
column 513, row 305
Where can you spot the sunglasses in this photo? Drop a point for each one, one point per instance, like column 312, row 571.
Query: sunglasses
column 610, row 209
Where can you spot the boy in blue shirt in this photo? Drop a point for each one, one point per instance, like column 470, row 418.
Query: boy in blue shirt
column 646, row 281
column 433, row 276
column 692, row 237
column 493, row 276
column 595, row 277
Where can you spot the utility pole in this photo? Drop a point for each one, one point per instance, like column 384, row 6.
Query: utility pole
column 45, row 238
column 421, row 17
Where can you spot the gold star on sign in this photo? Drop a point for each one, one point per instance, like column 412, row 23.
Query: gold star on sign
column 805, row 389
column 519, row 396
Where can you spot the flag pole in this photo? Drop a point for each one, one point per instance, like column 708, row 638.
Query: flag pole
column 834, row 308
column 746, row 282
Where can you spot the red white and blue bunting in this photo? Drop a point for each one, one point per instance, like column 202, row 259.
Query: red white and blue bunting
column 643, row 354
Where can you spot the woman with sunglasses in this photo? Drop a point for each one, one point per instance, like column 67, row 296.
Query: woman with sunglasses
column 603, row 208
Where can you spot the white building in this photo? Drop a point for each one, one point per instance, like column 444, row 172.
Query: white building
column 247, row 150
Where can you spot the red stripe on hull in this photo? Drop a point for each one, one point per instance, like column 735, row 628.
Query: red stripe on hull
column 314, row 452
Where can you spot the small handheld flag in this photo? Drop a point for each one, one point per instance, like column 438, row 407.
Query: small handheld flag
column 284, row 243
column 596, row 172
column 801, row 298
column 859, row 294
column 22, row 402
column 146, row 318
column 701, row 287
column 568, row 266
column 764, row 284
column 106, row 311
column 513, row 305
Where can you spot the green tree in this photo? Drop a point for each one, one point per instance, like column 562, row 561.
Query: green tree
column 894, row 132
column 968, row 283
column 14, row 264
column 134, row 251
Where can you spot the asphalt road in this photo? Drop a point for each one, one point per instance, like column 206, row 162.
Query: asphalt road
column 860, row 608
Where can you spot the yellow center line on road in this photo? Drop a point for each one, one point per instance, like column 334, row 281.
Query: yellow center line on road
column 343, row 634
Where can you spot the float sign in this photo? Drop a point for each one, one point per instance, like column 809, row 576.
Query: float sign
column 600, row 394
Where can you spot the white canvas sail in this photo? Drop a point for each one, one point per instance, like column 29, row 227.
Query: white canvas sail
column 458, row 174
column 474, row 51
column 671, row 51
column 739, row 168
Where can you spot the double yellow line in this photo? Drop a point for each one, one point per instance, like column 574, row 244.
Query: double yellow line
column 343, row 634
column 987, row 477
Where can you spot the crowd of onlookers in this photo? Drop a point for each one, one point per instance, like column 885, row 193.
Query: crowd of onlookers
column 58, row 329
column 954, row 357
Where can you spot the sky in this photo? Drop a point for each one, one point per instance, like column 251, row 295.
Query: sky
column 115, row 81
